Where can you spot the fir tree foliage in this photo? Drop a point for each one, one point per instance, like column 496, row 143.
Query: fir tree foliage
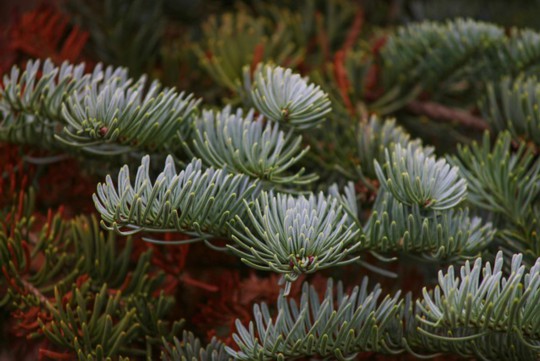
column 32, row 100
column 93, row 300
column 374, row 137
column 234, row 40
column 190, row 349
column 200, row 202
column 316, row 327
column 101, row 301
column 248, row 146
column 103, row 112
column 512, row 105
column 483, row 300
column 295, row 235
column 287, row 98
column 127, row 116
column 415, row 177
column 505, row 182
column 436, row 235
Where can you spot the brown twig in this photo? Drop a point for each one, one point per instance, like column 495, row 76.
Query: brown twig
column 444, row 113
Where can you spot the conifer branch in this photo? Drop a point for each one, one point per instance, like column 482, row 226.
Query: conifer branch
column 248, row 146
column 287, row 98
column 436, row 235
column 190, row 349
column 441, row 112
column 295, row 235
column 415, row 177
column 338, row 326
column 513, row 105
column 199, row 202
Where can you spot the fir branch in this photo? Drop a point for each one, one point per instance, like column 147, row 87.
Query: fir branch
column 248, row 146
column 93, row 301
column 337, row 326
column 287, row 98
column 450, row 234
column 190, row 349
column 30, row 102
column 295, row 235
column 235, row 40
column 128, row 33
column 374, row 136
column 441, row 112
column 420, row 57
column 439, row 341
column 483, row 300
column 195, row 201
column 127, row 116
column 499, row 179
column 512, row 105
column 102, row 112
column 414, row 177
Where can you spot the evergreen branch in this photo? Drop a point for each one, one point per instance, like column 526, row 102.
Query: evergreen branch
column 520, row 55
column 420, row 57
column 442, row 112
column 128, row 32
column 31, row 101
column 346, row 80
column 483, row 300
column 29, row 93
column 190, row 349
column 287, row 98
column 93, row 300
column 504, row 181
column 337, row 326
column 91, row 110
column 233, row 41
column 196, row 201
column 74, row 317
column 126, row 116
column 424, row 52
column 437, row 341
column 374, row 136
column 414, row 177
column 248, row 146
column 512, row 105
column 295, row 235
column 499, row 179
column 450, row 234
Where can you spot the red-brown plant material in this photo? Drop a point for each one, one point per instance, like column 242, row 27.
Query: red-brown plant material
column 46, row 33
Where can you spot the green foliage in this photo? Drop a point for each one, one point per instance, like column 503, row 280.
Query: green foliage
column 233, row 40
column 69, row 318
column 483, row 301
column 287, row 98
column 415, row 177
column 266, row 132
column 196, row 201
column 317, row 327
column 440, row 340
column 127, row 116
column 376, row 135
column 428, row 56
column 455, row 58
column 122, row 32
column 31, row 101
column 94, row 299
column 437, row 235
column 248, row 146
column 512, row 105
column 190, row 349
column 505, row 182
column 294, row 235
